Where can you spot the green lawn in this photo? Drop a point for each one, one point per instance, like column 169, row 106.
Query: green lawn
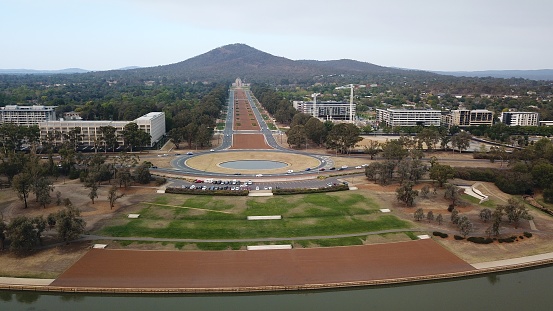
column 206, row 217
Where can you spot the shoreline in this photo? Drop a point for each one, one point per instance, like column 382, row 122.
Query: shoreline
column 45, row 285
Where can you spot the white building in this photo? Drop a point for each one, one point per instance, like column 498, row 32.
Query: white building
column 153, row 123
column 326, row 110
column 520, row 118
column 408, row 117
column 27, row 115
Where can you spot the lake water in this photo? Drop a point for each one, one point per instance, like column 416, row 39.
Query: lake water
column 520, row 290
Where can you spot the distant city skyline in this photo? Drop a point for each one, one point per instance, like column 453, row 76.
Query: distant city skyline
column 435, row 35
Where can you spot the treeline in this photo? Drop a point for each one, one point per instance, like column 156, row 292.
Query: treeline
column 115, row 96
column 275, row 104
column 196, row 124
column 529, row 169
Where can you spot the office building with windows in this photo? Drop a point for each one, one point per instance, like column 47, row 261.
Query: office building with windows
column 27, row 115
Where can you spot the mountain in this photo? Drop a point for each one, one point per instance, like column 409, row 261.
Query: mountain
column 40, row 72
column 239, row 60
column 542, row 74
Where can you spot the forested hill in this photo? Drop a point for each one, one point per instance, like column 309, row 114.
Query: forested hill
column 228, row 62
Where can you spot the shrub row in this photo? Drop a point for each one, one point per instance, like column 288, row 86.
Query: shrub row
column 480, row 240
column 307, row 190
column 510, row 239
column 207, row 192
column 458, row 237
column 440, row 234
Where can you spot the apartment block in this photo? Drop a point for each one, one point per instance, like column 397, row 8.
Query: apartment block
column 27, row 115
column 520, row 118
column 408, row 117
column 465, row 117
column 153, row 123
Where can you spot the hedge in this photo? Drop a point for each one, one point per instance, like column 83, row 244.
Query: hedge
column 308, row 190
column 480, row 240
column 440, row 234
column 506, row 180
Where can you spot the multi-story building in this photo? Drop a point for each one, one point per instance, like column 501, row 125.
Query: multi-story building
column 326, row 110
column 520, row 118
column 408, row 117
column 27, row 115
column 153, row 123
column 465, row 117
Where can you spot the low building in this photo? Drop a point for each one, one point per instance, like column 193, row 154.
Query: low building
column 326, row 110
column 152, row 123
column 27, row 115
column 520, row 118
column 465, row 117
column 408, row 117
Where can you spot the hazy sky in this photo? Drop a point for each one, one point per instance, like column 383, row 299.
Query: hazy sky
column 417, row 34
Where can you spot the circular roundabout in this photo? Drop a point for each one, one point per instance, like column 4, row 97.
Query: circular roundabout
column 250, row 162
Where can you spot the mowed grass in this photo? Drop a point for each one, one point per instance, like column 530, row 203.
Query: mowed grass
column 207, row 217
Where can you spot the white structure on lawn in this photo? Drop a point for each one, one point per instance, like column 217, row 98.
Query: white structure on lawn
column 27, row 115
column 152, row 123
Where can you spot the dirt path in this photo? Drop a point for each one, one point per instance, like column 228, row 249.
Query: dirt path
column 266, row 268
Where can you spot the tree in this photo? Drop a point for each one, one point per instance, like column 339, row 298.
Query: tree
column 69, row 224
column 430, row 136
column 51, row 220
column 441, row 173
column 425, row 190
column 113, row 196
column 410, row 169
column 315, row 131
column 455, row 216
column 495, row 228
column 134, row 136
column 465, row 226
column 419, row 214
column 177, row 136
column 342, row 137
column 92, row 183
column 23, row 233
column 22, row 183
column 142, row 173
column 430, row 216
column 439, row 219
column 452, row 193
column 406, row 194
column 372, row 148
column 394, row 150
column 296, row 136
column 461, row 141
column 516, row 211
column 42, row 188
column 485, row 214
column 109, row 137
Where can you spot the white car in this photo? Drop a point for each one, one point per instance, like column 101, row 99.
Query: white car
column 358, row 166
column 211, row 150
column 344, row 167
column 289, row 171
column 258, row 175
column 364, row 165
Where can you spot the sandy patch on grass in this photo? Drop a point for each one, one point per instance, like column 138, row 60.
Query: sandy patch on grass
column 210, row 162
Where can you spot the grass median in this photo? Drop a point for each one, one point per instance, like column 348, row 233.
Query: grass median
column 194, row 217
